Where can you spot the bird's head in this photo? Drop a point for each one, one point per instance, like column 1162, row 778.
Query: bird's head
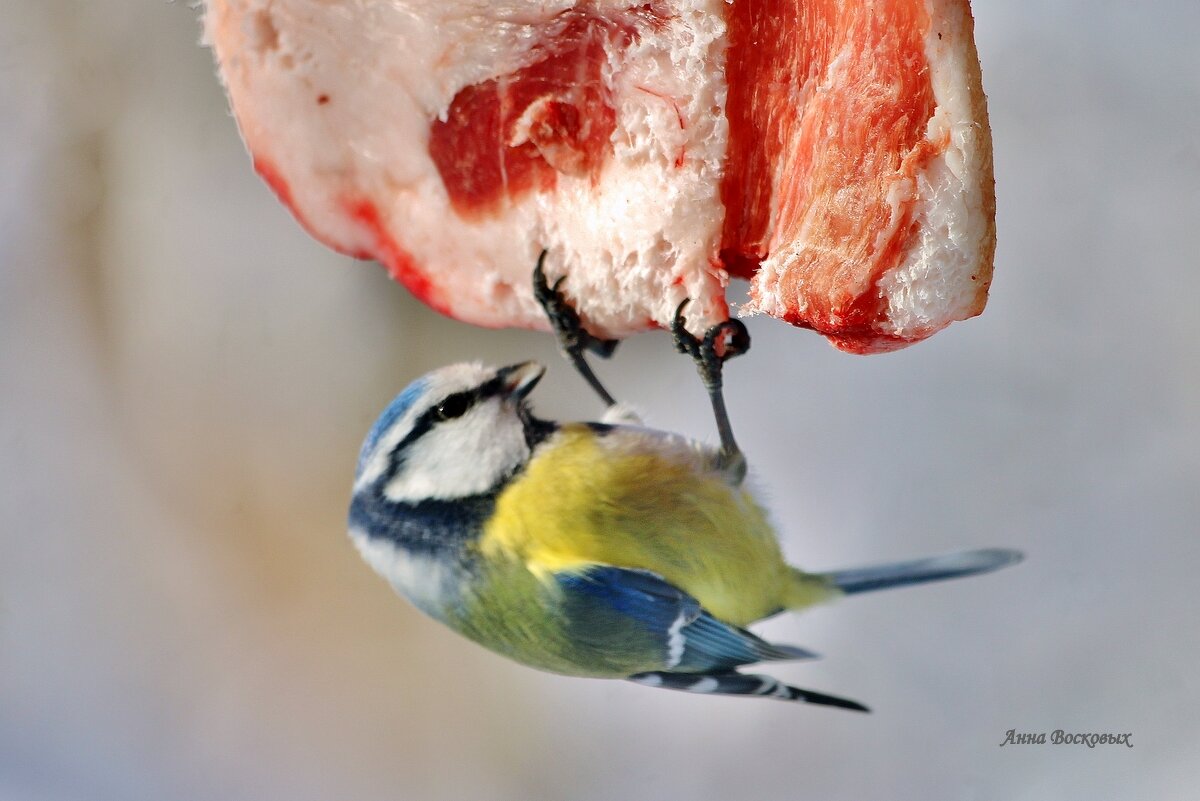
column 459, row 431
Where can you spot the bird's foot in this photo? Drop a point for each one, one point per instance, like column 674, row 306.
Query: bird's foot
column 573, row 339
column 720, row 343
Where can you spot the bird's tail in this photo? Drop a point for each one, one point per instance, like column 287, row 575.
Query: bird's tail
column 813, row 588
column 917, row 571
column 734, row 683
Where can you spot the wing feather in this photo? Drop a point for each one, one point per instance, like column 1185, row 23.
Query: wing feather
column 597, row 598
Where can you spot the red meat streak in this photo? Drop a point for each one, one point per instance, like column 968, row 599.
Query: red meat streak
column 678, row 115
column 399, row 262
column 825, row 155
column 278, row 184
column 515, row 134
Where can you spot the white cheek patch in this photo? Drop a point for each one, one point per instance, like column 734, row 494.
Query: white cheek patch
column 427, row 582
column 463, row 457
column 438, row 384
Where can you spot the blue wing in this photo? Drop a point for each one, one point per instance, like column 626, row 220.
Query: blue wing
column 604, row 603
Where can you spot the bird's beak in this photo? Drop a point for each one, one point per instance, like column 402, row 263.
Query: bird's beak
column 518, row 380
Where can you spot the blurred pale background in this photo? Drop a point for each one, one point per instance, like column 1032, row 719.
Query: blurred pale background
column 185, row 377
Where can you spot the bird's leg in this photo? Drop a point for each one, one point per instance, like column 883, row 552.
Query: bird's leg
column 720, row 343
column 572, row 338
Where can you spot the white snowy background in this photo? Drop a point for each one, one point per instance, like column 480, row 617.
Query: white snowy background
column 185, row 378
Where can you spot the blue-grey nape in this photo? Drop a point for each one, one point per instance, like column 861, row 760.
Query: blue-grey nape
column 395, row 410
column 429, row 527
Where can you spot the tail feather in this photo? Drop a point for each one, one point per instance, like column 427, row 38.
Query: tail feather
column 732, row 683
column 919, row 571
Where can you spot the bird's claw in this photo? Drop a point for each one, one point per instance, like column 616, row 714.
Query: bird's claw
column 720, row 343
column 572, row 337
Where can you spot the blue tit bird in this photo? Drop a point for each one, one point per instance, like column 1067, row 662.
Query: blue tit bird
column 588, row 549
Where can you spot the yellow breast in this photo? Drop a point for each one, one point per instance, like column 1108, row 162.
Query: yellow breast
column 638, row 499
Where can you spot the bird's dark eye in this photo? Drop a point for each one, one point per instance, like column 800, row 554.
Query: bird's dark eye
column 455, row 405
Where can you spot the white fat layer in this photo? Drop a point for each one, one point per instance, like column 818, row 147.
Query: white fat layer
column 462, row 457
column 430, row 584
column 942, row 275
column 651, row 226
column 634, row 242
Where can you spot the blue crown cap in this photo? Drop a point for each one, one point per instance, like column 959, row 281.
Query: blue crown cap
column 395, row 410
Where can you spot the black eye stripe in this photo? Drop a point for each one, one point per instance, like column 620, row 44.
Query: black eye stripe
column 455, row 405
column 459, row 403
column 422, row 425
column 435, row 415
column 535, row 430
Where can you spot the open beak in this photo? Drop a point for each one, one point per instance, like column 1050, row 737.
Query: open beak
column 518, row 380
